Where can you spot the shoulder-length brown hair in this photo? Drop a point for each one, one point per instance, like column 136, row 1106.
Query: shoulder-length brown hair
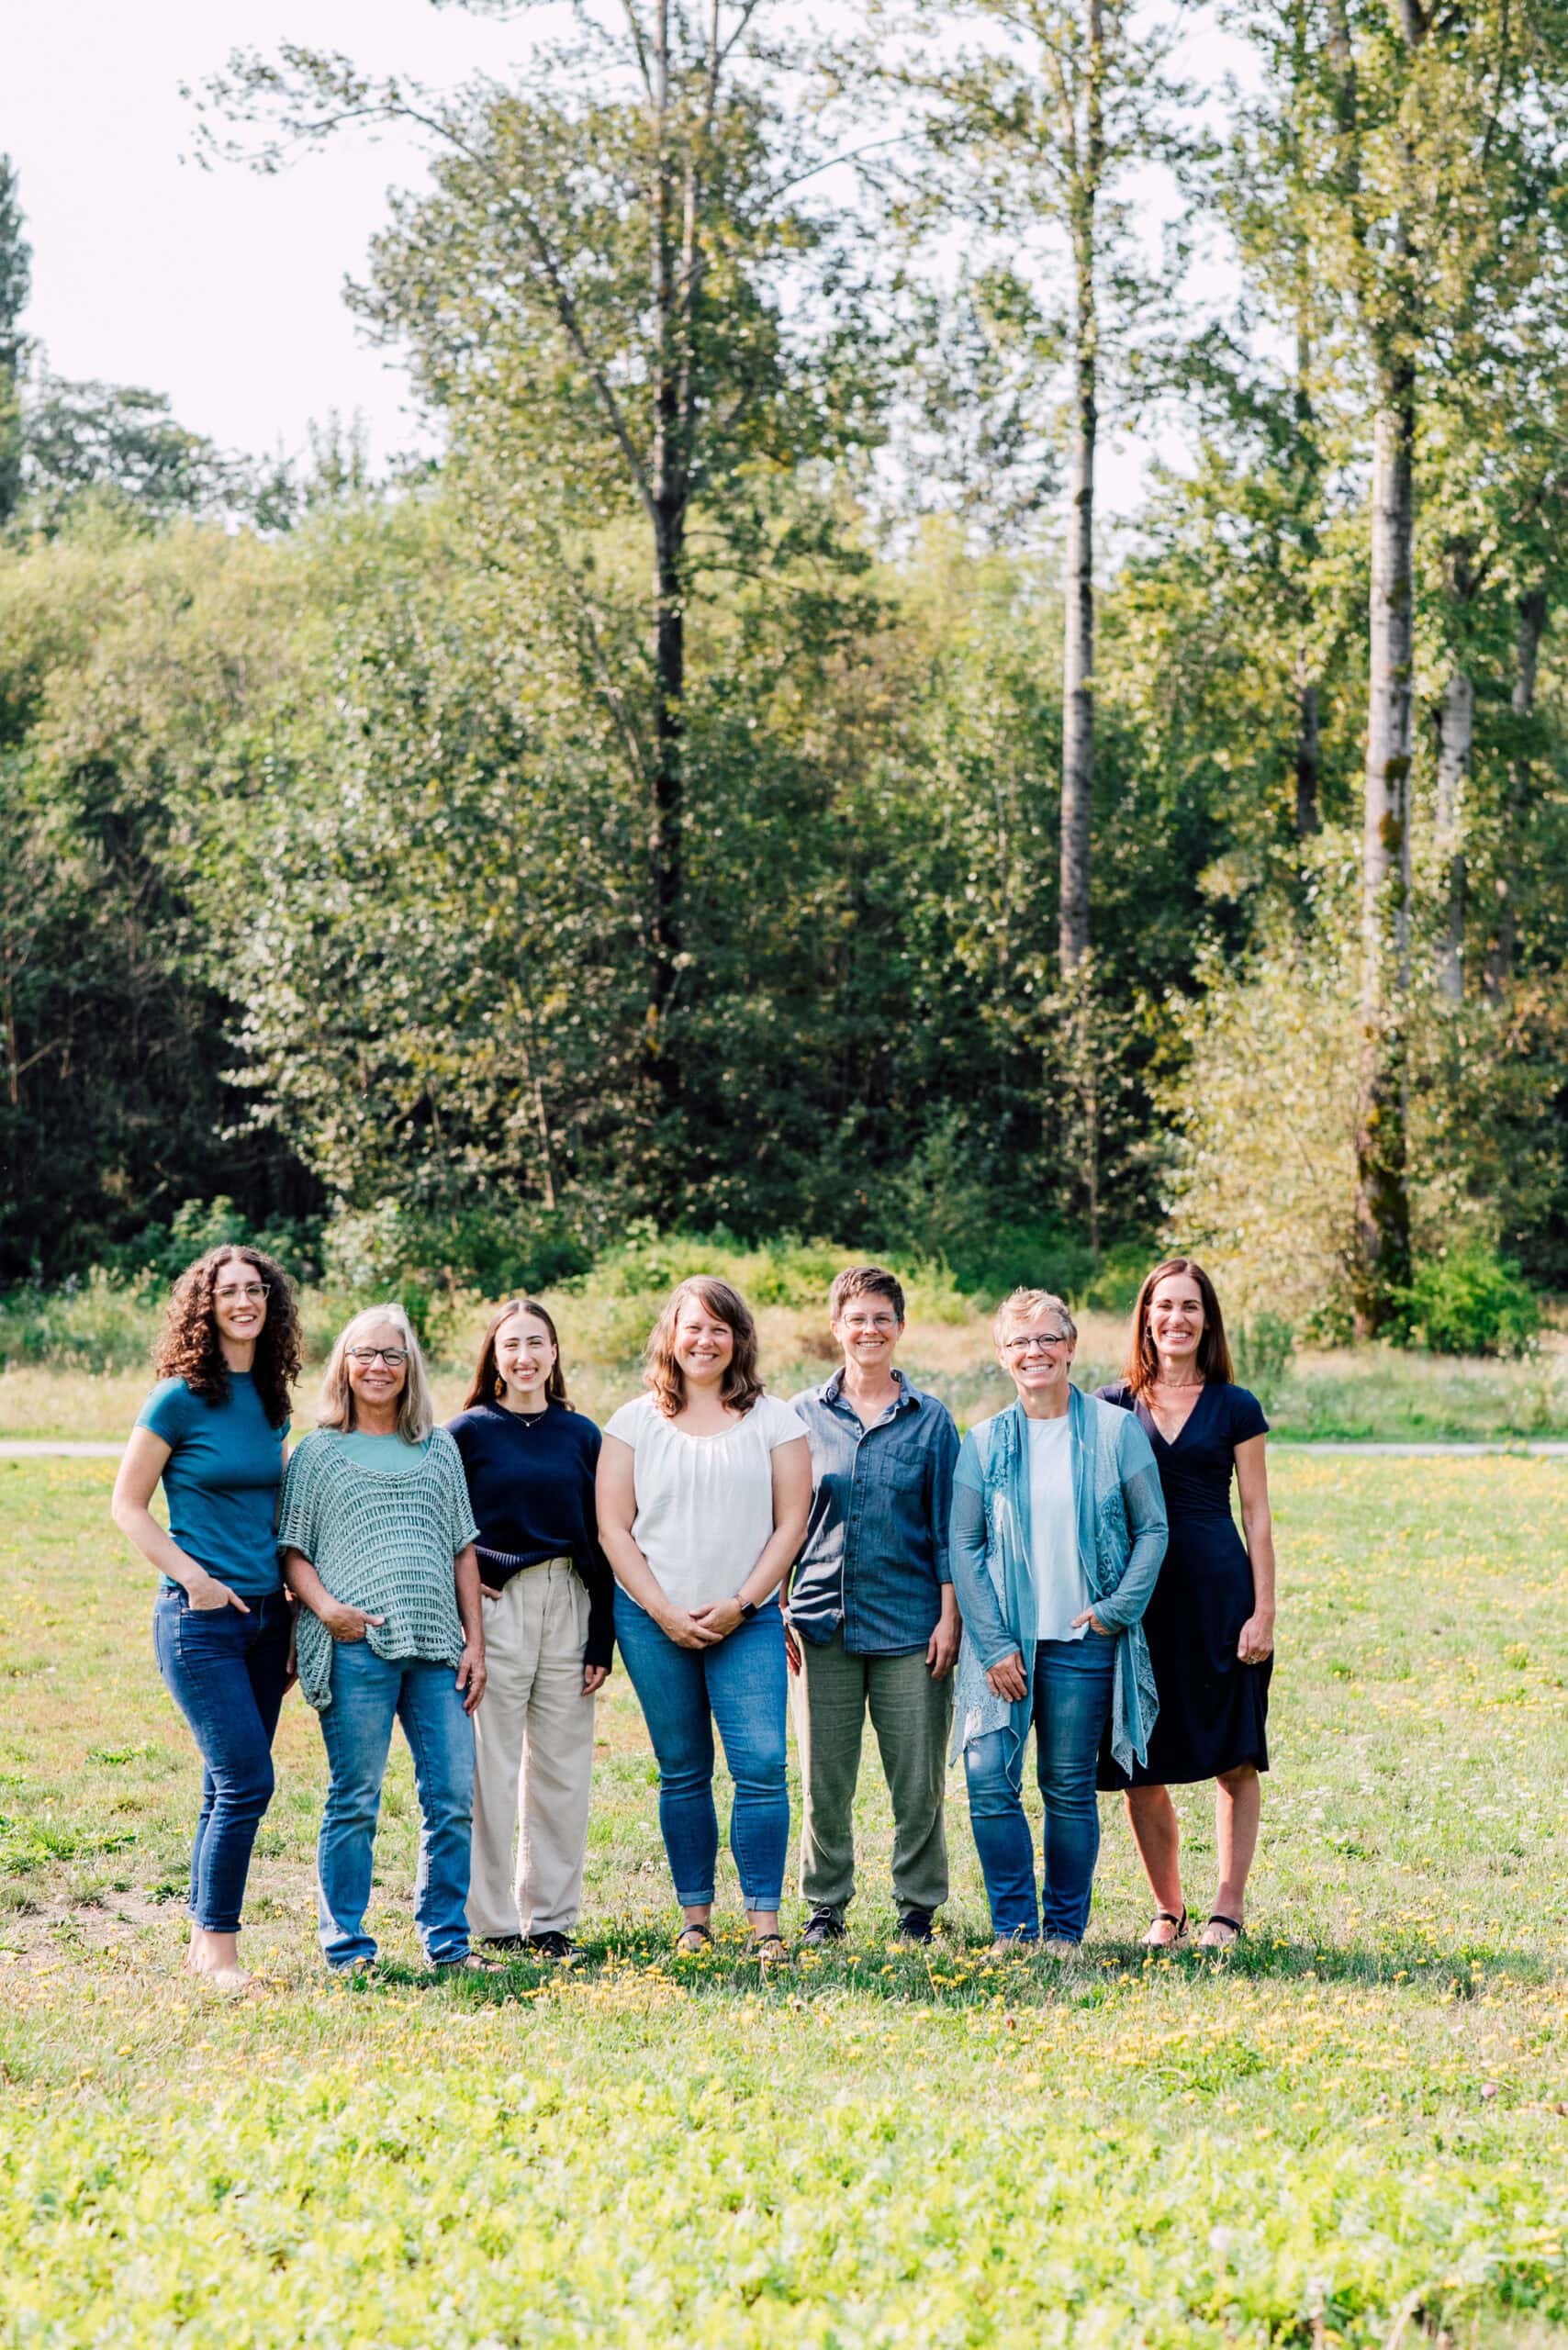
column 1214, row 1349
column 189, row 1348
column 664, row 1375
column 487, row 1382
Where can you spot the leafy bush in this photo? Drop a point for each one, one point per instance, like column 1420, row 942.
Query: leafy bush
column 1473, row 1302
column 164, row 1250
column 1263, row 1350
column 102, row 1323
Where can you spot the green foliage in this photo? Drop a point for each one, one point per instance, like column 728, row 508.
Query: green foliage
column 1472, row 1300
column 104, row 1322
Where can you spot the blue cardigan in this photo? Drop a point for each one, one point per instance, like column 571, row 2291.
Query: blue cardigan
column 1121, row 1542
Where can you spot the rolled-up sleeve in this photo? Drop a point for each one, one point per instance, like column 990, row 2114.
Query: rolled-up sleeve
column 1147, row 1523
column 941, row 1456
column 969, row 1574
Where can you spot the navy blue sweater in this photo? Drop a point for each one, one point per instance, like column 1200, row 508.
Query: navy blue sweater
column 531, row 1482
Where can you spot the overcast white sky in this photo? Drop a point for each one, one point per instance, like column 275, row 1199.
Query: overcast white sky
column 225, row 289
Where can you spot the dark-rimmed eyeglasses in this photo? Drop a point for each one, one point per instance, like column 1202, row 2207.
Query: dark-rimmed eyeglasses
column 393, row 1357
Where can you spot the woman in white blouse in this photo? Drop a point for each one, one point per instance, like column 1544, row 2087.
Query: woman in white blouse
column 704, row 1486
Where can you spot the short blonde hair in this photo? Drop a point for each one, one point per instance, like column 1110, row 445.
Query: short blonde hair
column 416, row 1413
column 1022, row 1306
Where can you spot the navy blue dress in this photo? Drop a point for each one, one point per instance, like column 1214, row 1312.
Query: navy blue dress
column 1213, row 1710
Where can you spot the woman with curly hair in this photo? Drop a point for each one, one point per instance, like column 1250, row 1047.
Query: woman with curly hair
column 214, row 1432
column 704, row 1489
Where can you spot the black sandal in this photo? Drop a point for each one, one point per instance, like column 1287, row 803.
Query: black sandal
column 1217, row 1918
column 772, row 1949
column 686, row 1947
column 1167, row 1917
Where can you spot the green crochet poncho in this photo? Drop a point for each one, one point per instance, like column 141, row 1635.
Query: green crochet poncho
column 382, row 1542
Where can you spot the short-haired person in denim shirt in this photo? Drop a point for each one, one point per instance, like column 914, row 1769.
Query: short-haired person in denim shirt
column 872, row 1619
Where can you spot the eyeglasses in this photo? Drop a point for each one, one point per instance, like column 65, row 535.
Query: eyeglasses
column 251, row 1292
column 880, row 1323
column 1021, row 1344
column 393, row 1357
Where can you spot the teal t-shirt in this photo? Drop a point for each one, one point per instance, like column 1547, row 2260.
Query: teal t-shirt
column 221, row 1479
column 391, row 1455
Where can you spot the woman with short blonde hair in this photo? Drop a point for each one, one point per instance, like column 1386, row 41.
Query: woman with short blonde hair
column 1057, row 1535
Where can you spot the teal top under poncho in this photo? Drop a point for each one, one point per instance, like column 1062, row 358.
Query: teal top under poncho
column 383, row 1539
column 1121, row 1542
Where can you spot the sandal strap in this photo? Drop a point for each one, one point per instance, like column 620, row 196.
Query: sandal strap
column 701, row 1931
column 1219, row 1918
column 1168, row 1917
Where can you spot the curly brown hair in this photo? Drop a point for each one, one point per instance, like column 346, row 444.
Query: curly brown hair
column 741, row 1386
column 487, row 1382
column 188, row 1346
column 1213, row 1349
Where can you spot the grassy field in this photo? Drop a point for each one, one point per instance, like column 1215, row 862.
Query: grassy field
column 1352, row 2129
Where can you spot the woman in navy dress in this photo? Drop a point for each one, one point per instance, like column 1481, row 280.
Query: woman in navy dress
column 1210, row 1624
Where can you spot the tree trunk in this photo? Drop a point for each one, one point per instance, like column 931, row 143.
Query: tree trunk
column 1308, row 747
column 1526, row 660
column 668, row 478
column 1078, row 680
column 1456, row 743
column 1382, row 1265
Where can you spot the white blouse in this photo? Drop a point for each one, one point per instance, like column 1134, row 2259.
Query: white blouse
column 704, row 1502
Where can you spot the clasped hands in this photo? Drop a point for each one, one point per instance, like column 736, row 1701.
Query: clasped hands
column 702, row 1627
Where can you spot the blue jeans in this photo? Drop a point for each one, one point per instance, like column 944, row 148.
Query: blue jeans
column 226, row 1672
column 368, row 1695
column 683, row 1692
column 1071, row 1702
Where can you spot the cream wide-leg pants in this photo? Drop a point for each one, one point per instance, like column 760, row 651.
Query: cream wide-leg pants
column 533, row 1757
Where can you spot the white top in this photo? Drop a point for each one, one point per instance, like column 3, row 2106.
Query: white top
column 704, row 1502
column 1061, row 1590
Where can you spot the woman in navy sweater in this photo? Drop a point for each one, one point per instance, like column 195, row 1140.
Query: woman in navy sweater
column 549, row 1633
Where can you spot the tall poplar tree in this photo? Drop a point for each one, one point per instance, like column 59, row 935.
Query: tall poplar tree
column 16, row 282
column 634, row 316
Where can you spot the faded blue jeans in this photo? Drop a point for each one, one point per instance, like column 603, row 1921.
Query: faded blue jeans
column 226, row 1672
column 368, row 1695
column 1072, row 1702
column 683, row 1692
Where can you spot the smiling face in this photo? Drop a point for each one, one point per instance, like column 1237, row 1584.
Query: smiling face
column 704, row 1344
column 525, row 1355
column 868, row 1328
column 1038, row 1353
column 239, row 1302
column 371, row 1379
column 1176, row 1318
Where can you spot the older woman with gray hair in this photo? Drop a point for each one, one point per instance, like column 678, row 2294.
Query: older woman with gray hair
column 378, row 1542
column 1057, row 1533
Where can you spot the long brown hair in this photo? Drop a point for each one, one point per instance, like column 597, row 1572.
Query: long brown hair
column 487, row 1382
column 664, row 1375
column 189, row 1346
column 1214, row 1349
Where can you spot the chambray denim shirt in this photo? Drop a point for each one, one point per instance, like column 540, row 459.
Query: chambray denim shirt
column 875, row 1556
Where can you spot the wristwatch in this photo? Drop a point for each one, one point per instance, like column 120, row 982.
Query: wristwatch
column 748, row 1609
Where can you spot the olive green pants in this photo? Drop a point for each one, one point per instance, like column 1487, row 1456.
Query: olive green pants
column 910, row 1714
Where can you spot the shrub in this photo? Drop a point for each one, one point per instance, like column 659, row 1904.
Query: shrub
column 101, row 1323
column 1262, row 1350
column 1473, row 1302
